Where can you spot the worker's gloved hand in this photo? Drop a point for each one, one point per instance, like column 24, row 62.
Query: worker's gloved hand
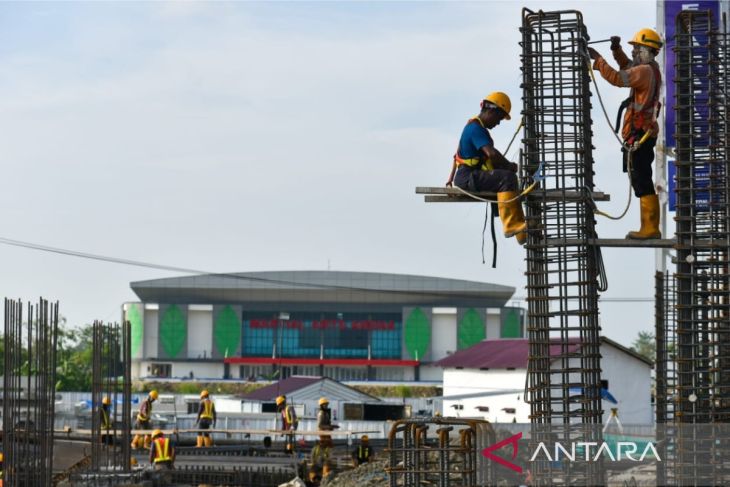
column 615, row 43
column 513, row 167
column 593, row 53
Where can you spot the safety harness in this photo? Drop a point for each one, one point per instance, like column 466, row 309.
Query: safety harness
column 641, row 112
column 207, row 409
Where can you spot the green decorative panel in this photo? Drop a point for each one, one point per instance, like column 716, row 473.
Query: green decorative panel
column 227, row 332
column 471, row 329
column 134, row 316
column 511, row 323
column 173, row 331
column 417, row 334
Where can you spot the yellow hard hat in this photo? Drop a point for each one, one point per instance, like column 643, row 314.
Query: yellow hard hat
column 280, row 400
column 648, row 38
column 153, row 394
column 156, row 433
column 365, row 438
column 323, row 400
column 203, row 394
column 106, row 401
column 501, row 100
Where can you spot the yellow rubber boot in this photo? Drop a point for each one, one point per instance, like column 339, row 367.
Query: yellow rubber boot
column 513, row 219
column 136, row 442
column 649, row 205
column 147, row 441
column 208, row 441
column 199, row 442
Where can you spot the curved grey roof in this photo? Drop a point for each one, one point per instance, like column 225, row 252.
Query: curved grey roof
column 312, row 289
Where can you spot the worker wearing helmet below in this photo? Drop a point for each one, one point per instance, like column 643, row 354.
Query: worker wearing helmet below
column 363, row 453
column 324, row 423
column 144, row 420
column 162, row 452
column 206, row 418
column 106, row 421
column 481, row 167
column 289, row 422
column 642, row 76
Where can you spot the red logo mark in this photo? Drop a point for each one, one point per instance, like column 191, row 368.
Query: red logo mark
column 512, row 440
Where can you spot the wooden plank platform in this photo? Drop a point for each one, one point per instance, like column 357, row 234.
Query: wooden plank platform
column 452, row 195
column 616, row 242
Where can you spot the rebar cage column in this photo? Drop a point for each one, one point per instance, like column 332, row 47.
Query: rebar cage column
column 564, row 377
column 29, row 392
column 703, row 232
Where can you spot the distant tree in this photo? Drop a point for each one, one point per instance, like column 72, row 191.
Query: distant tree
column 645, row 345
column 73, row 358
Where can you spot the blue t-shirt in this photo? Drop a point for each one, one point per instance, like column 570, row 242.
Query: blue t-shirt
column 473, row 138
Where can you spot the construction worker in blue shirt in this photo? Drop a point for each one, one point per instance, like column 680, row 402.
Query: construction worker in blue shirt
column 206, row 418
column 479, row 166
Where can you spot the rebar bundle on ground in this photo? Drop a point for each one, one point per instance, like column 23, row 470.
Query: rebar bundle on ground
column 564, row 376
column 703, row 233
column 111, row 383
column 29, row 392
column 450, row 457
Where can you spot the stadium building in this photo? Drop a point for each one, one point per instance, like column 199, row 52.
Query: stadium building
column 348, row 326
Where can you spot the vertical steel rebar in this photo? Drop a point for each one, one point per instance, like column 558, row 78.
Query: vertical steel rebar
column 703, row 234
column 29, row 392
column 564, row 374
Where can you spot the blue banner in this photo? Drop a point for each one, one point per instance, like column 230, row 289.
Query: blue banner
column 671, row 10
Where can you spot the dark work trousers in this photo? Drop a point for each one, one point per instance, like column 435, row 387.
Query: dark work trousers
column 204, row 424
column 641, row 160
column 474, row 179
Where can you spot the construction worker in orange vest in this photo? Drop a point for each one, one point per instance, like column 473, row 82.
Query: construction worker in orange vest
column 206, row 418
column 162, row 453
column 479, row 166
column 144, row 421
column 106, row 421
column 289, row 422
column 641, row 74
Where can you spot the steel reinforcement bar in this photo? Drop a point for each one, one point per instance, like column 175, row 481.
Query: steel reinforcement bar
column 703, row 218
column 564, row 377
column 29, row 392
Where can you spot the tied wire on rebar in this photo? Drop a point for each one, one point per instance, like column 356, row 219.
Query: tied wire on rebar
column 111, row 383
column 703, row 234
column 564, row 374
column 29, row 392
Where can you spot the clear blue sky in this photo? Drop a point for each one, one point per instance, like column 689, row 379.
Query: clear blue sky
column 265, row 136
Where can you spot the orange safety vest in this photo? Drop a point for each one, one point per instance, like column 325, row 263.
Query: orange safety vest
column 207, row 409
column 162, row 450
column 481, row 160
column 642, row 111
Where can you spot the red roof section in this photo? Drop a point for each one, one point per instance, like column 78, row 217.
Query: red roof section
column 499, row 354
column 282, row 388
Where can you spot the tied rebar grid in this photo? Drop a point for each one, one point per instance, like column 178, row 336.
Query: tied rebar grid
column 29, row 392
column 111, row 378
column 564, row 377
column 703, row 232
column 449, row 458
column 666, row 375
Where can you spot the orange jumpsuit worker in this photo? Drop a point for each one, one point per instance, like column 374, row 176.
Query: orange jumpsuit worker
column 642, row 75
column 206, row 418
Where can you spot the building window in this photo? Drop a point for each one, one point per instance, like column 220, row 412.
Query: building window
column 346, row 373
column 161, row 370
